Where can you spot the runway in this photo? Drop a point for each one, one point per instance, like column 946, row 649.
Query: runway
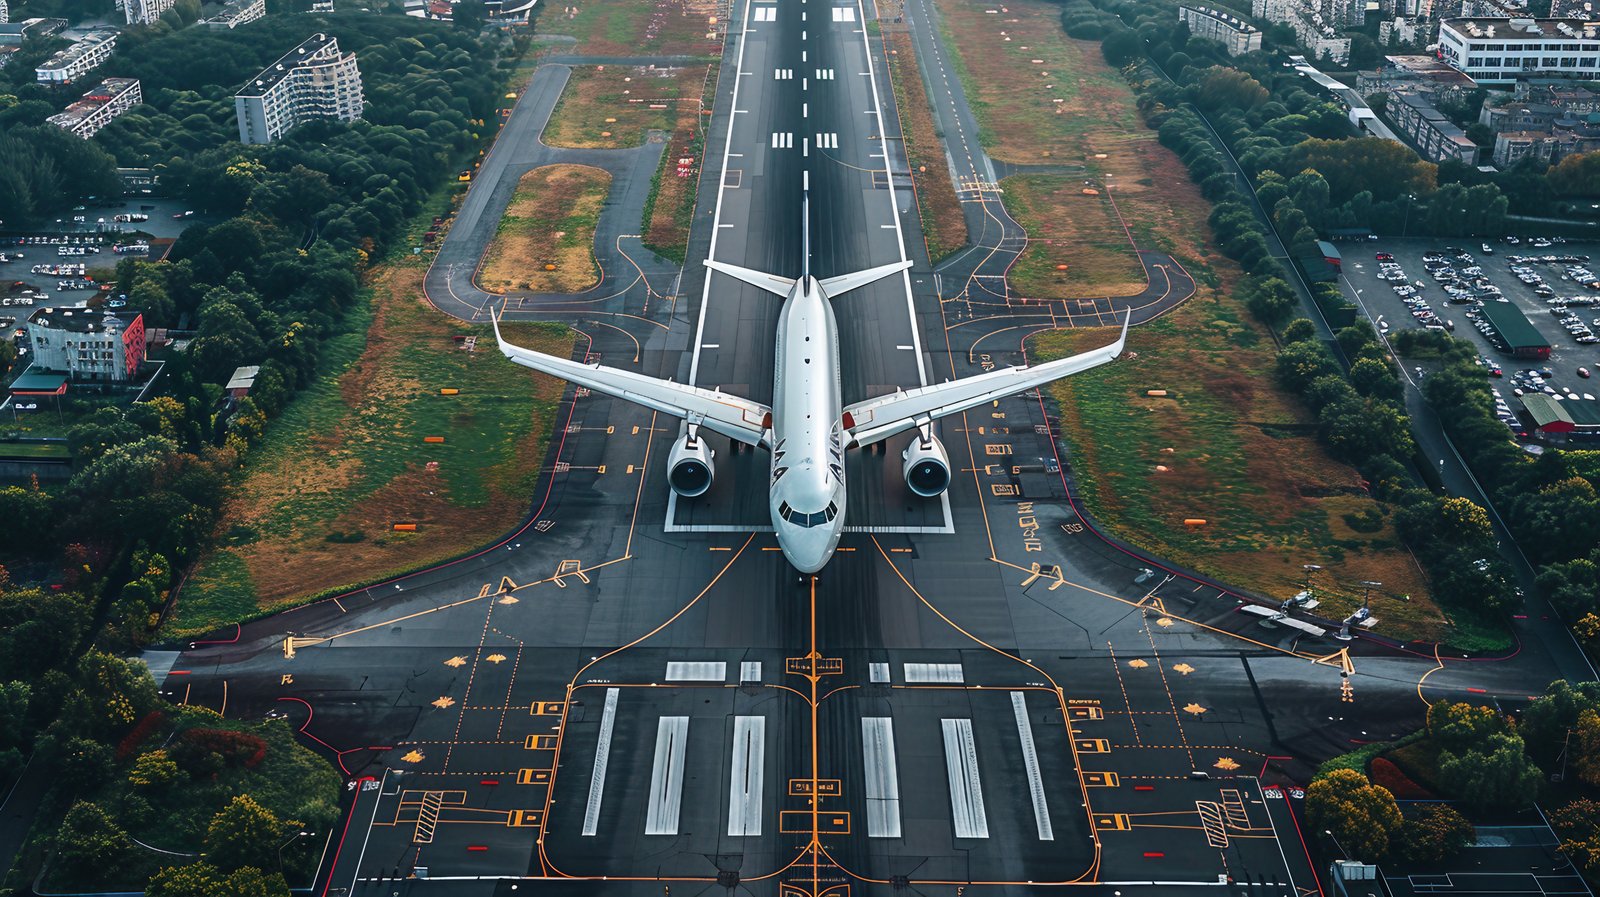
column 635, row 695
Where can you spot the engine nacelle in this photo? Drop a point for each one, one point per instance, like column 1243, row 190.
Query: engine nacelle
column 690, row 466
column 927, row 466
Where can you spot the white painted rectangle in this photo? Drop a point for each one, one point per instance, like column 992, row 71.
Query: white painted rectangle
column 828, row 141
column 696, row 671
column 844, row 13
column 966, row 788
column 783, row 74
column 766, row 14
column 878, row 672
column 750, row 671
column 602, row 757
column 934, row 672
column 745, row 778
column 666, row 776
column 1030, row 762
column 883, row 783
column 825, row 74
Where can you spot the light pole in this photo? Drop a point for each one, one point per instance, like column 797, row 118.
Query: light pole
column 1336, row 843
column 289, row 840
column 1406, row 222
column 1367, row 586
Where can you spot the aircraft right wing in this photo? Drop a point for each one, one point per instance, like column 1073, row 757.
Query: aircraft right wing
column 875, row 420
column 731, row 416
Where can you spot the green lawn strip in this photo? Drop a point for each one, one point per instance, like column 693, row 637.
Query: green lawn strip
column 292, row 781
column 35, row 450
column 1034, row 273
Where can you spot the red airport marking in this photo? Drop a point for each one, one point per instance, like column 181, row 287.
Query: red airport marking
column 490, row 782
column 1144, row 787
column 380, row 747
column 477, row 848
column 1519, row 616
column 177, row 672
column 1477, row 691
column 1153, row 855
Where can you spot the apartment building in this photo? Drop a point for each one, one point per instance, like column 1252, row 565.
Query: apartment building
column 1312, row 30
column 1236, row 36
column 1548, row 146
column 314, row 80
column 78, row 60
column 5, row 12
column 99, row 106
column 88, row 345
column 1499, row 51
column 145, row 12
column 1435, row 137
column 236, row 13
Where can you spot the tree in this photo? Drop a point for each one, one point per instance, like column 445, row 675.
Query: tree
column 154, row 771
column 205, row 880
column 469, row 15
column 1434, row 832
column 1302, row 362
column 1375, row 379
column 1384, row 167
column 1578, row 824
column 243, row 833
column 1298, row 331
column 1459, row 726
column 1361, row 815
column 89, row 839
column 1576, row 175
column 1122, row 47
column 1492, row 775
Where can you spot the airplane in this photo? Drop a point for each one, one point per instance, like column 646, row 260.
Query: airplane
column 808, row 428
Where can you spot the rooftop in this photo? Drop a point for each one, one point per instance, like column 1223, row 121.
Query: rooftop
column 83, row 320
column 1525, row 28
column 1227, row 18
column 1513, row 326
column 96, row 97
column 90, row 42
column 275, row 73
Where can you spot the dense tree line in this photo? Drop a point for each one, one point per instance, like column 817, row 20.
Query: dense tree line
column 299, row 222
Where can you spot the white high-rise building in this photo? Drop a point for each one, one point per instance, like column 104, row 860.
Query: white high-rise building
column 314, row 80
column 99, row 106
column 145, row 12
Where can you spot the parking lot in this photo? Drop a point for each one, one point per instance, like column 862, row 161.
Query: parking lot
column 1416, row 283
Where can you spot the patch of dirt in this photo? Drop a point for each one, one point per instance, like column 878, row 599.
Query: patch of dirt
column 634, row 27
column 1067, row 226
column 550, row 222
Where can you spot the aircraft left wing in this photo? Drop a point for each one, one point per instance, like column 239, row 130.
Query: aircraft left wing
column 731, row 416
column 875, row 420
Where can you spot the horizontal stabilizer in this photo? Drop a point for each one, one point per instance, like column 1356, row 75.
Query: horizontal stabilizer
column 844, row 283
column 772, row 283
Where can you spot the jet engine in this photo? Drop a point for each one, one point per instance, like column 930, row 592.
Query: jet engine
column 690, row 467
column 927, row 466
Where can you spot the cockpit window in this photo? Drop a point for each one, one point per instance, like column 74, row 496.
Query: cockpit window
column 808, row 520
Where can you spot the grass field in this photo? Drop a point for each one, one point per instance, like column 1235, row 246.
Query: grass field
column 1071, row 110
column 613, row 106
column 1238, row 454
column 943, row 226
column 315, row 507
column 670, row 210
column 35, row 450
column 632, row 27
column 1068, row 227
column 550, row 221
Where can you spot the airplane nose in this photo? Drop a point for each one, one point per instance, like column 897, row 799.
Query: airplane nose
column 807, row 558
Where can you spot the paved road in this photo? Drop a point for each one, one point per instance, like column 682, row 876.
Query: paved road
column 603, row 703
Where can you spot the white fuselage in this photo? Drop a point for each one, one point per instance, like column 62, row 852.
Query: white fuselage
column 807, row 494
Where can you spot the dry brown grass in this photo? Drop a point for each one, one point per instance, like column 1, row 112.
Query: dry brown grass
column 633, row 27
column 550, row 221
column 613, row 106
column 1067, row 227
column 943, row 226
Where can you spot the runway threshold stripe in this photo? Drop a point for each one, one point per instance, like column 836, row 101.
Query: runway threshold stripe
column 602, row 756
column 883, row 782
column 1030, row 761
column 745, row 781
column 666, row 776
column 966, row 788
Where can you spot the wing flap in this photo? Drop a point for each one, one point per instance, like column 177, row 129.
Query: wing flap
column 875, row 420
column 772, row 283
column 731, row 416
column 855, row 280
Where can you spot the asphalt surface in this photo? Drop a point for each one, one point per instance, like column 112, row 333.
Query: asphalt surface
column 520, row 718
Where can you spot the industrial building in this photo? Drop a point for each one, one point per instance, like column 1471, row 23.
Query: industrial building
column 1558, row 415
column 1499, row 51
column 1521, row 338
